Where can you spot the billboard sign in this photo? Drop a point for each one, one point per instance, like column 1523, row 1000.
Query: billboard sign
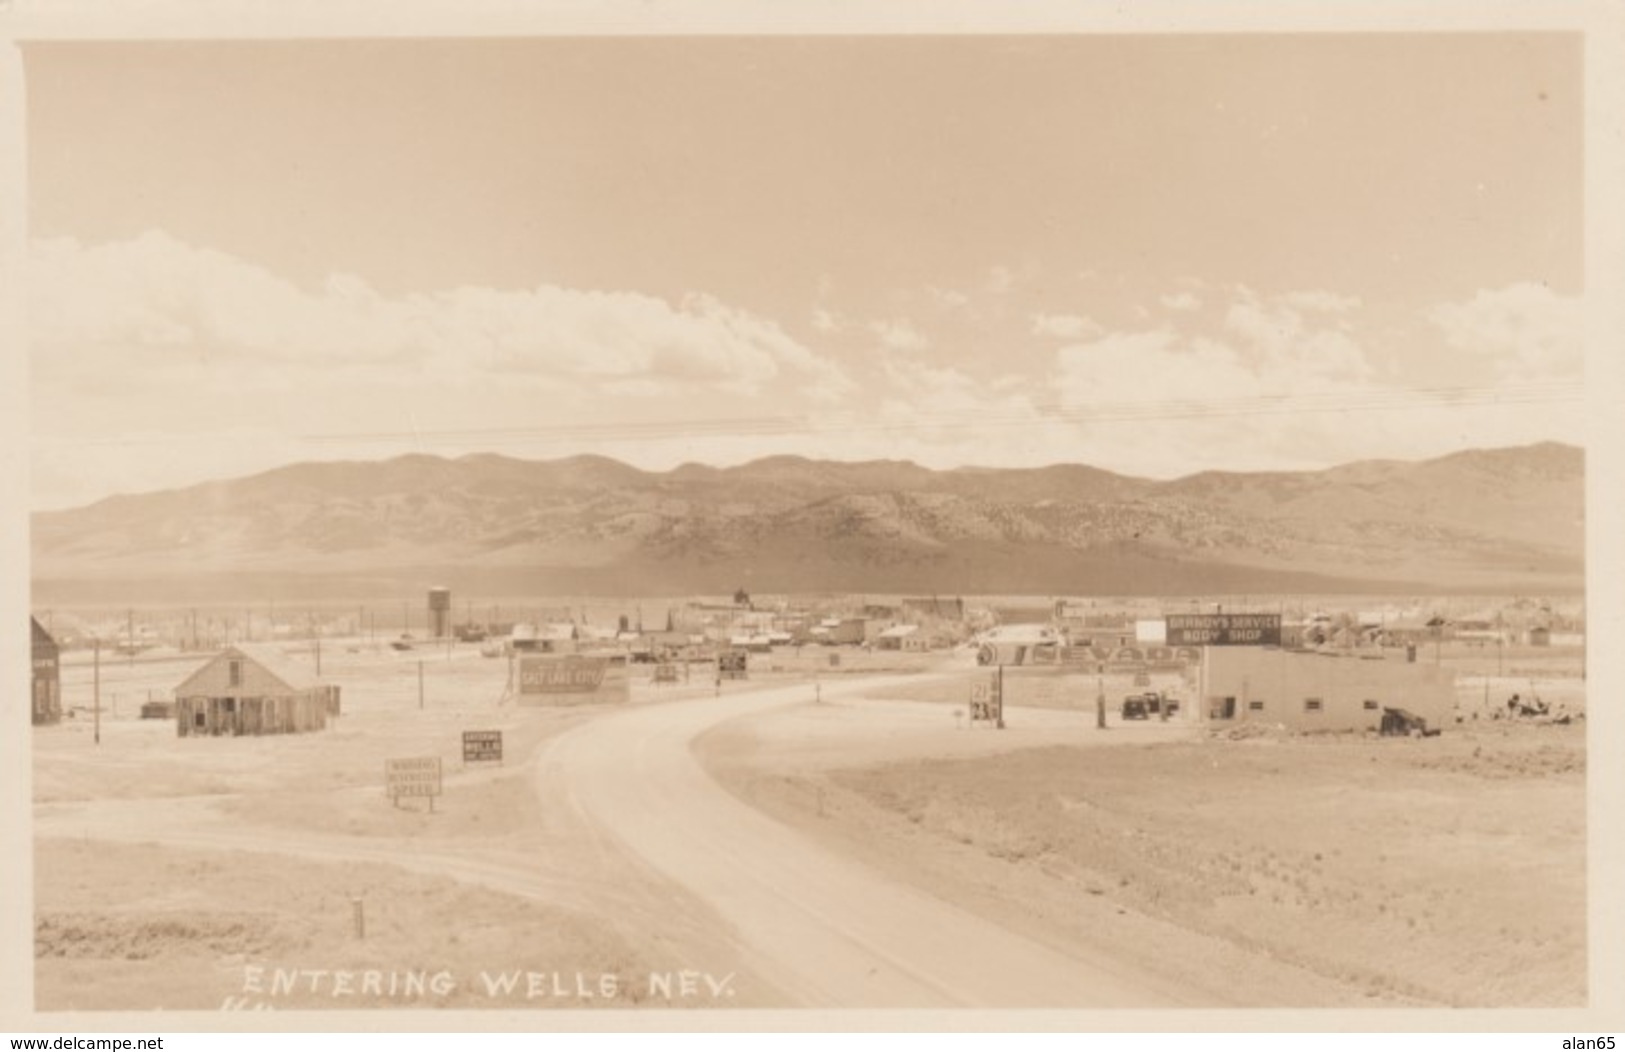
column 1224, row 630
column 571, row 679
column 413, row 776
column 482, row 745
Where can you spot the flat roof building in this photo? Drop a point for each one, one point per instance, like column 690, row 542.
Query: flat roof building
column 1322, row 692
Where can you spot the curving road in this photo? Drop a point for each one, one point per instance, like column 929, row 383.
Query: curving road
column 823, row 929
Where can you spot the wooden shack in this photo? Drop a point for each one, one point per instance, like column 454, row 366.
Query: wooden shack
column 47, row 678
column 252, row 689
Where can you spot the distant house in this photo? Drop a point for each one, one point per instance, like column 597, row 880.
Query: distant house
column 1477, row 629
column 1023, row 615
column 850, row 630
column 552, row 638
column 47, row 692
column 894, row 637
column 252, row 689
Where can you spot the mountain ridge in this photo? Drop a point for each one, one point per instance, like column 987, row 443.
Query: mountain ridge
column 1495, row 518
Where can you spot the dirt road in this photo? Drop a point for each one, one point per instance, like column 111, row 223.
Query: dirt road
column 824, row 930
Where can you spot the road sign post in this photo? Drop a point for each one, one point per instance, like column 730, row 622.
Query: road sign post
column 412, row 776
column 482, row 746
column 987, row 700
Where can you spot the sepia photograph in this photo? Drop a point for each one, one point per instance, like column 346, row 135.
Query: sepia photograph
column 773, row 525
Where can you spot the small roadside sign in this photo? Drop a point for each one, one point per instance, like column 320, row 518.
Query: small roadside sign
column 481, row 746
column 412, row 776
column 987, row 701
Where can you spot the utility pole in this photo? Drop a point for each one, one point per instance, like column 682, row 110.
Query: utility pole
column 97, row 688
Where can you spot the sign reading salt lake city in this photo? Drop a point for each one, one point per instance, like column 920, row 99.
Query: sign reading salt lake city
column 1224, row 630
column 571, row 678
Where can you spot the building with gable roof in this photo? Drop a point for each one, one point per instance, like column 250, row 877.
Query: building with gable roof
column 253, row 689
column 47, row 678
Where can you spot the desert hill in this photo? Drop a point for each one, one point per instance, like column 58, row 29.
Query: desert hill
column 1491, row 520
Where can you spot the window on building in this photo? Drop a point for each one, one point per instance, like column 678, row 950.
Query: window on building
column 234, row 673
column 1255, row 705
column 1311, row 705
column 1371, row 704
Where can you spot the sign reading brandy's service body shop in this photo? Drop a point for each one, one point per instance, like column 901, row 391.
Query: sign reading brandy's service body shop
column 572, row 679
column 413, row 776
column 1224, row 630
column 482, row 745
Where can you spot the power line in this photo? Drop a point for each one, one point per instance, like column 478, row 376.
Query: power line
column 1029, row 414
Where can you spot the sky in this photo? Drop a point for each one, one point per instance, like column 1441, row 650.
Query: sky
column 1153, row 254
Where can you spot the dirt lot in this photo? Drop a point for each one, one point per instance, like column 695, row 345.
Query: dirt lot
column 178, row 873
column 1326, row 870
column 1265, row 871
column 210, row 930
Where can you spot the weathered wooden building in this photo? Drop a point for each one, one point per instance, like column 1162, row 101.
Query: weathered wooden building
column 252, row 689
column 47, row 678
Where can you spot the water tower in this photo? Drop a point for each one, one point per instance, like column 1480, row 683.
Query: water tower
column 440, row 612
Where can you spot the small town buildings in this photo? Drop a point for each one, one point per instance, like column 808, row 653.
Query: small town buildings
column 854, row 630
column 894, row 638
column 252, row 689
column 47, row 678
column 1322, row 692
column 934, row 607
column 549, row 638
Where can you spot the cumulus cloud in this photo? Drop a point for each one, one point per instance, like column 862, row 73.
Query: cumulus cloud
column 1181, row 301
column 1522, row 333
column 1284, row 344
column 1064, row 326
column 162, row 304
column 899, row 335
column 1321, row 300
column 1282, row 385
column 999, row 280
